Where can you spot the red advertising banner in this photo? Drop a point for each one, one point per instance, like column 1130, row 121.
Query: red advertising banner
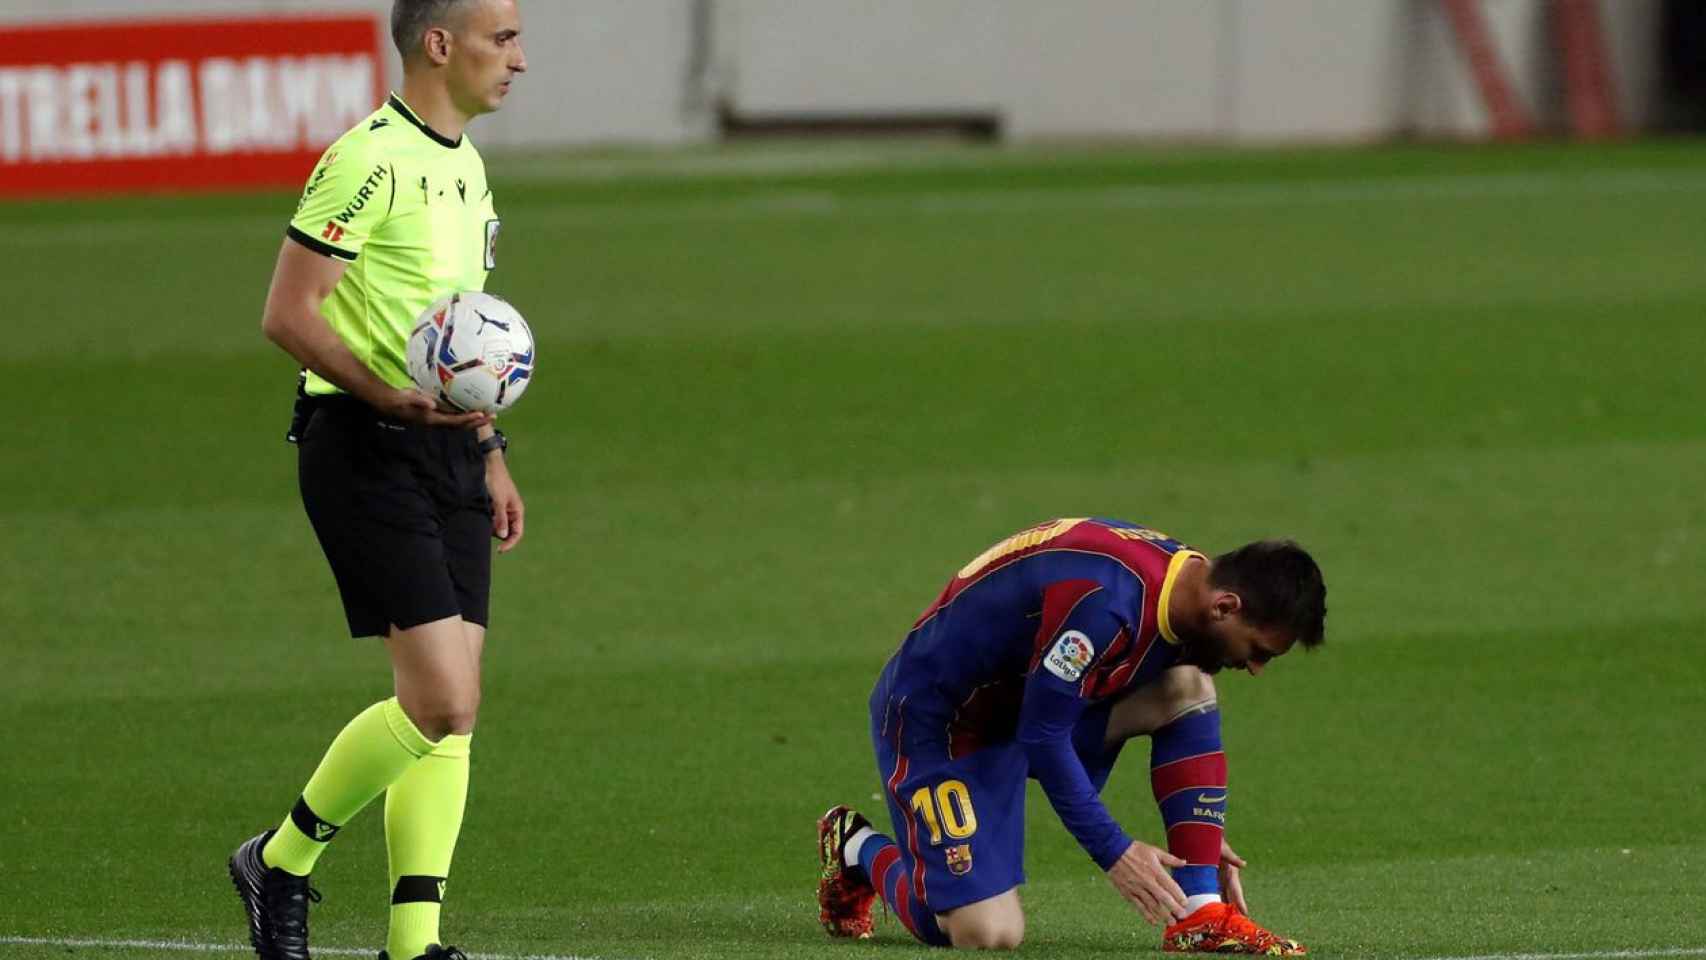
column 180, row 105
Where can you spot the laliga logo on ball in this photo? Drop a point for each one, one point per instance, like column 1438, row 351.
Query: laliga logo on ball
column 473, row 352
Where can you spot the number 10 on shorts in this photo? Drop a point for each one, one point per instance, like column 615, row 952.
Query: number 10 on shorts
column 948, row 810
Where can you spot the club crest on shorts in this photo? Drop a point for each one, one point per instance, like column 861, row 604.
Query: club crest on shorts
column 959, row 859
column 1069, row 656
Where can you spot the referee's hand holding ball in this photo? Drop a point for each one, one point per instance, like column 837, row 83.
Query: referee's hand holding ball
column 412, row 406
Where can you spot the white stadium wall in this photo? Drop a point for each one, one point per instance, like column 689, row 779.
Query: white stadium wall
column 1237, row 70
column 1314, row 69
column 1143, row 68
column 657, row 71
column 786, row 57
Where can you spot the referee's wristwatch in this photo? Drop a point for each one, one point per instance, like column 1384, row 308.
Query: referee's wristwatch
column 497, row 441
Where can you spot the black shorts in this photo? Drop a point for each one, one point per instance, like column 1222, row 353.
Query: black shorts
column 402, row 514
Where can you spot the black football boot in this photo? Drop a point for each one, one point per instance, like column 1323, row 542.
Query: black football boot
column 276, row 902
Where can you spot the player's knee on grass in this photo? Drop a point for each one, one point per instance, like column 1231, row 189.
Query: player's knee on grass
column 994, row 924
column 988, row 936
column 1147, row 709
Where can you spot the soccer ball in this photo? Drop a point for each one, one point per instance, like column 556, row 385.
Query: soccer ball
column 473, row 352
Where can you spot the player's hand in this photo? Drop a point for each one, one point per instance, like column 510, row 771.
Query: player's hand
column 1231, row 887
column 1141, row 876
column 413, row 406
column 507, row 509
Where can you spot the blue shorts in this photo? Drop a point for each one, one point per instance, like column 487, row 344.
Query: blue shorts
column 960, row 821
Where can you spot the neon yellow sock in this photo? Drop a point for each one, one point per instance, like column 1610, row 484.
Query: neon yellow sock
column 367, row 756
column 423, row 816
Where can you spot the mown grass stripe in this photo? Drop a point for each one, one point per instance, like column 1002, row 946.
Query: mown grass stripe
column 187, row 946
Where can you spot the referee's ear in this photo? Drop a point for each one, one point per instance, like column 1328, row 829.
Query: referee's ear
column 435, row 46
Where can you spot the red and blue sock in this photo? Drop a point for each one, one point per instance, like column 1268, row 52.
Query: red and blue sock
column 1187, row 769
column 881, row 860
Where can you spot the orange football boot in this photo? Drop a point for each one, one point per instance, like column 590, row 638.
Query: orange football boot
column 1223, row 928
column 844, row 895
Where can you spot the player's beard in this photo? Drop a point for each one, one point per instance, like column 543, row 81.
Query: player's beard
column 1202, row 652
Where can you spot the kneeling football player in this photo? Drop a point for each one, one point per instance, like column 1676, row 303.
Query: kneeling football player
column 1040, row 659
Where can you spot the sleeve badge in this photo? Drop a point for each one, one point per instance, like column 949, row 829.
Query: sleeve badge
column 1070, row 656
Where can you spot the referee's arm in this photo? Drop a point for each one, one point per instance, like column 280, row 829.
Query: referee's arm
column 301, row 282
column 508, row 511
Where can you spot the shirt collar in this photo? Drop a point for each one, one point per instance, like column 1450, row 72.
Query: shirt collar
column 1173, row 567
column 396, row 103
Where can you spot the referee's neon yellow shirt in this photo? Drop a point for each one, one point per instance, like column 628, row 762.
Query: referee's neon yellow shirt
column 412, row 214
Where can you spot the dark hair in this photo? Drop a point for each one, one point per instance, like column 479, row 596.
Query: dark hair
column 1279, row 585
column 411, row 19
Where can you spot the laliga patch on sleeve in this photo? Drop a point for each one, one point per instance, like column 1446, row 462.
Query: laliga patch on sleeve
column 1069, row 656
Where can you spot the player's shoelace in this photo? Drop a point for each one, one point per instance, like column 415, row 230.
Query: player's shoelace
column 1242, row 928
column 1236, row 926
column 287, row 908
column 1231, row 931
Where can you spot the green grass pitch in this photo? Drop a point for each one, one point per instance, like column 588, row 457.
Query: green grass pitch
column 783, row 394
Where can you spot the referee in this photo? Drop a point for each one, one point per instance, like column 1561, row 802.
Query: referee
column 403, row 497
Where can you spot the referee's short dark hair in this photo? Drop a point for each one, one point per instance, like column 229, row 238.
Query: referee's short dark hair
column 1280, row 586
column 411, row 19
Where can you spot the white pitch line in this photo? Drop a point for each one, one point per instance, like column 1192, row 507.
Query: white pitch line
column 184, row 946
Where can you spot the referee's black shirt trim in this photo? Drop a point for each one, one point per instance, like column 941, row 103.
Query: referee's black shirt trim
column 398, row 105
column 318, row 246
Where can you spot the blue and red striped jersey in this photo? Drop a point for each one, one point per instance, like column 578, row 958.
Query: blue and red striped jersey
column 1024, row 638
